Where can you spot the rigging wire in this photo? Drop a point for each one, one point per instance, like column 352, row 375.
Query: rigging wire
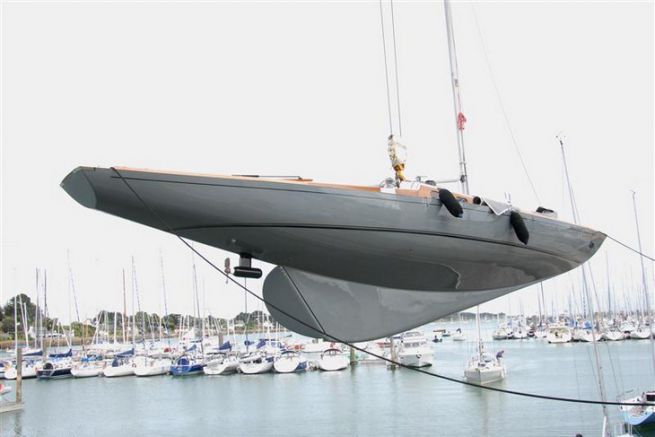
column 386, row 68
column 630, row 248
column 395, row 61
column 502, row 107
column 360, row 349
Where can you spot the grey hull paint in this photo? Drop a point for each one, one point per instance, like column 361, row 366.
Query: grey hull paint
column 348, row 311
column 385, row 240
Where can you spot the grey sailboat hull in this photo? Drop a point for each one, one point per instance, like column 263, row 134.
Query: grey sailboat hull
column 369, row 237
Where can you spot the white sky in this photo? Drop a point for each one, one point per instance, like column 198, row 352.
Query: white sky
column 292, row 88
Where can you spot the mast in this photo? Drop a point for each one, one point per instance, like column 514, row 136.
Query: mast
column 36, row 313
column 124, row 315
column 643, row 278
column 541, row 315
column 45, row 311
column 163, row 286
column 460, row 120
column 587, row 293
column 77, row 311
column 135, row 284
column 133, row 312
column 609, row 293
column 477, row 322
column 543, row 321
column 24, row 319
column 15, row 325
column 245, row 323
column 202, row 320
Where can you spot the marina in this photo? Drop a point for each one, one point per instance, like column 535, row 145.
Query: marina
column 403, row 400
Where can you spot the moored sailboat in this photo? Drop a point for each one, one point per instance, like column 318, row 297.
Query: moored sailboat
column 333, row 360
column 187, row 365
column 148, row 366
column 256, row 363
column 121, row 365
column 290, row 362
column 484, row 368
column 639, row 415
column 222, row 365
column 558, row 334
column 88, row 367
column 28, row 370
column 55, row 369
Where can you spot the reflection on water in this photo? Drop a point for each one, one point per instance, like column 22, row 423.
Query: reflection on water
column 364, row 400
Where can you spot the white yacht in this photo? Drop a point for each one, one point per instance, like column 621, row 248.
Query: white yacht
column 627, row 327
column 485, row 368
column 414, row 350
column 559, row 334
column 28, row 370
column 639, row 415
column 87, row 368
column 290, row 362
column 503, row 332
column 147, row 366
column 332, row 360
column 582, row 335
column 458, row 335
column 642, row 333
column 520, row 333
column 612, row 334
column 256, row 363
column 222, row 365
column 120, row 366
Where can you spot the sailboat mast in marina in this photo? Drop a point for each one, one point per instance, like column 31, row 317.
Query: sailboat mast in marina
column 460, row 119
column 586, row 292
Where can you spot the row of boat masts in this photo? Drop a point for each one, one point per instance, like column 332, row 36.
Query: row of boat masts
column 577, row 330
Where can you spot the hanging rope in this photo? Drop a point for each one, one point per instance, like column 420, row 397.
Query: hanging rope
column 502, row 107
column 386, row 68
column 395, row 61
column 630, row 248
column 338, row 340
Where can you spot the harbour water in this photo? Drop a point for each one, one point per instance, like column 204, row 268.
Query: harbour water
column 366, row 399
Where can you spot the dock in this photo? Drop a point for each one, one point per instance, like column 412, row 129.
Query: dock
column 17, row 405
column 7, row 407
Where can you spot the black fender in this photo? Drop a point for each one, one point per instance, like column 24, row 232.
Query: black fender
column 450, row 202
column 520, row 229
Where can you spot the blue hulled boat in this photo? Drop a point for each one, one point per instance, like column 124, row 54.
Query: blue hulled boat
column 290, row 362
column 185, row 366
column 639, row 415
column 55, row 369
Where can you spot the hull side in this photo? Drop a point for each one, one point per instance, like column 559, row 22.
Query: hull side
column 382, row 239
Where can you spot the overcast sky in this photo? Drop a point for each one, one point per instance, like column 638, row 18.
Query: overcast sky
column 299, row 88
